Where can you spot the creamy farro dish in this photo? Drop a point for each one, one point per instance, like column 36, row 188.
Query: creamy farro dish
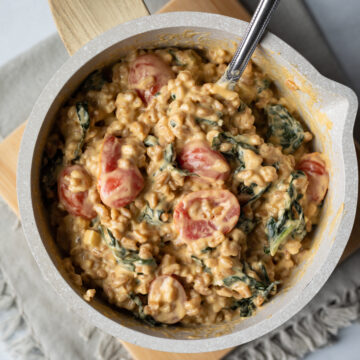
column 176, row 198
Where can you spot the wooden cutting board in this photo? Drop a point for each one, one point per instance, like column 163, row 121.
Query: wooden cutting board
column 78, row 21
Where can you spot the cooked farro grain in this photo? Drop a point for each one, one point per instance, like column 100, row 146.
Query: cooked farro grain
column 180, row 199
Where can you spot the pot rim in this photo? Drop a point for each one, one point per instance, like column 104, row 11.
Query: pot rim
column 30, row 138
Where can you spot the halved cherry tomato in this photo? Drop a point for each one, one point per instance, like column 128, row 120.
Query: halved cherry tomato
column 167, row 297
column 199, row 158
column 110, row 154
column 76, row 203
column 117, row 186
column 201, row 213
column 120, row 187
column 148, row 74
column 315, row 169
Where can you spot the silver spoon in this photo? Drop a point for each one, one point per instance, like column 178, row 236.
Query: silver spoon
column 249, row 42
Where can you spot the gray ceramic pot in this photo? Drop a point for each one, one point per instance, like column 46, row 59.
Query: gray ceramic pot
column 327, row 107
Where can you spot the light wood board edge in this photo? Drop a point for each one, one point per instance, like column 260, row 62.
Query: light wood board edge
column 230, row 8
column 140, row 353
column 9, row 151
column 79, row 21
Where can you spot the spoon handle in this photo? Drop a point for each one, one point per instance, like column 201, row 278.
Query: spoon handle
column 249, row 42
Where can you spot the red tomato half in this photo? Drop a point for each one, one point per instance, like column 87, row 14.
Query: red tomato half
column 76, row 203
column 117, row 186
column 148, row 74
column 167, row 296
column 315, row 169
column 110, row 154
column 201, row 213
column 199, row 158
column 120, row 187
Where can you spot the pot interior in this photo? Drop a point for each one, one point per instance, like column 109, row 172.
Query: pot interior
column 322, row 110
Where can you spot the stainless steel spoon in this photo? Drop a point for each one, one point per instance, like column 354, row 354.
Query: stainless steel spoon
column 249, row 42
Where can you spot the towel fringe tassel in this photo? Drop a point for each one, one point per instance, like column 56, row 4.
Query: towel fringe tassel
column 110, row 348
column 305, row 333
column 14, row 330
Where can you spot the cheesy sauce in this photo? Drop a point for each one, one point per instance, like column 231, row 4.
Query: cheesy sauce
column 175, row 198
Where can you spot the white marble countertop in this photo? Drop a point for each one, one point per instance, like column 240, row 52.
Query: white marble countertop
column 23, row 23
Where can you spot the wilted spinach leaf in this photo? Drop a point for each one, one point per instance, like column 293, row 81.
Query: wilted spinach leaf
column 238, row 144
column 149, row 320
column 291, row 219
column 284, row 129
column 200, row 121
column 123, row 256
column 169, row 162
column 151, row 140
column 253, row 192
column 201, row 263
column 51, row 168
column 84, row 121
column 151, row 216
column 94, row 81
column 246, row 225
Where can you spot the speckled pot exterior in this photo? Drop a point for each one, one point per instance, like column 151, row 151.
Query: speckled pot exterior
column 331, row 114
